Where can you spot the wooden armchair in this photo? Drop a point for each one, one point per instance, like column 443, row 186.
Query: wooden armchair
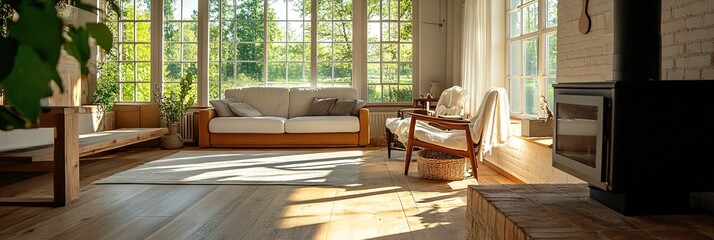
column 490, row 127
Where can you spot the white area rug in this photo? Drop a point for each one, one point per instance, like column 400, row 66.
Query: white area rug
column 334, row 168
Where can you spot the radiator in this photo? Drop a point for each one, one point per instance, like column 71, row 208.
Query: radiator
column 377, row 125
column 188, row 128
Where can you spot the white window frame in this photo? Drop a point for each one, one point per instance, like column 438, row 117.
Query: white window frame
column 359, row 44
column 541, row 76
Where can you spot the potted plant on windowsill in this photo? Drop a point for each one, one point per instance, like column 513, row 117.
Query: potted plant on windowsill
column 172, row 106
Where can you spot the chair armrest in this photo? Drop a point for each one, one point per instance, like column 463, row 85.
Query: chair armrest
column 364, row 127
column 443, row 122
column 204, row 116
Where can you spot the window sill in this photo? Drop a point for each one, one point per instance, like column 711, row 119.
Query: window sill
column 516, row 132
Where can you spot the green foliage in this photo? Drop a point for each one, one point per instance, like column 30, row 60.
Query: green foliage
column 106, row 95
column 173, row 105
column 31, row 36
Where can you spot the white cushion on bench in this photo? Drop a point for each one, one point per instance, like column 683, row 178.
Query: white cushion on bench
column 322, row 124
column 263, row 124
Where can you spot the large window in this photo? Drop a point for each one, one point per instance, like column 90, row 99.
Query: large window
column 129, row 62
column 180, row 42
column 532, row 59
column 389, row 50
column 269, row 43
column 263, row 43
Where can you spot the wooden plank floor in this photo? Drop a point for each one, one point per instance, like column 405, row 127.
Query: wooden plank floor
column 387, row 205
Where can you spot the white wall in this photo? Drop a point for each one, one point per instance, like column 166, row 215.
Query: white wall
column 432, row 44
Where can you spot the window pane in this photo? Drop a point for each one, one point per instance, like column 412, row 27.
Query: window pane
column 405, row 52
column 532, row 99
column 143, row 32
column 374, row 93
column 276, row 72
column 143, row 92
column 324, row 72
column 277, row 10
column 551, row 54
column 298, row 10
column 374, row 31
column 373, row 72
column 342, row 10
column 342, row 32
column 143, row 10
column 143, row 72
column 343, row 52
column 277, row 51
column 127, row 72
column 127, row 52
column 190, row 52
column 373, row 10
column 406, row 72
column 549, row 92
column 190, row 31
column 278, row 31
column 405, row 10
column 296, row 51
column 373, row 52
column 343, row 73
column 390, row 73
column 172, row 32
column 127, row 92
column 295, row 31
column 513, row 4
column 514, row 95
column 406, row 32
column 531, row 57
column 389, row 52
column 143, row 52
column 127, row 32
column 530, row 18
column 514, row 58
column 514, row 24
column 551, row 19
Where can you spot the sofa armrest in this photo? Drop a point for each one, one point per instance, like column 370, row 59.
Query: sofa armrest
column 204, row 116
column 363, row 127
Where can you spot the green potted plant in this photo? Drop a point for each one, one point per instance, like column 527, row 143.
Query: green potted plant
column 173, row 106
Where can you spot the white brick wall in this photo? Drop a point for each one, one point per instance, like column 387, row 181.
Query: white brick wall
column 585, row 58
column 529, row 162
column 687, row 39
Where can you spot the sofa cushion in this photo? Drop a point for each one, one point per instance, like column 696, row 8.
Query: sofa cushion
column 322, row 124
column 321, row 106
column 247, row 125
column 244, row 110
column 270, row 101
column 221, row 106
column 301, row 97
column 358, row 104
column 342, row 107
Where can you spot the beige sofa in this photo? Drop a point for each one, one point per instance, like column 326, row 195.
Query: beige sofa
column 284, row 122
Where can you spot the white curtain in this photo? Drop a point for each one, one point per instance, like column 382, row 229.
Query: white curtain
column 476, row 52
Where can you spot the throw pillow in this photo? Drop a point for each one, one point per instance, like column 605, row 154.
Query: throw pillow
column 320, row 106
column 342, row 107
column 244, row 110
column 221, row 106
column 359, row 103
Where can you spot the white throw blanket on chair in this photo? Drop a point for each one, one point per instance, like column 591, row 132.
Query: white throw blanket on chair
column 489, row 128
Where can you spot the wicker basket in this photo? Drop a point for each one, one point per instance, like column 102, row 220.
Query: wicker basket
column 435, row 165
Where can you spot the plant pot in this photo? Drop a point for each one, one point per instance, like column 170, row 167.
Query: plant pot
column 173, row 139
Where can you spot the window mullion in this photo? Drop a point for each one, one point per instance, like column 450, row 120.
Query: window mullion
column 313, row 43
column 265, row 42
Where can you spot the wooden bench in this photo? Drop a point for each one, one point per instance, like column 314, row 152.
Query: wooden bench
column 62, row 157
